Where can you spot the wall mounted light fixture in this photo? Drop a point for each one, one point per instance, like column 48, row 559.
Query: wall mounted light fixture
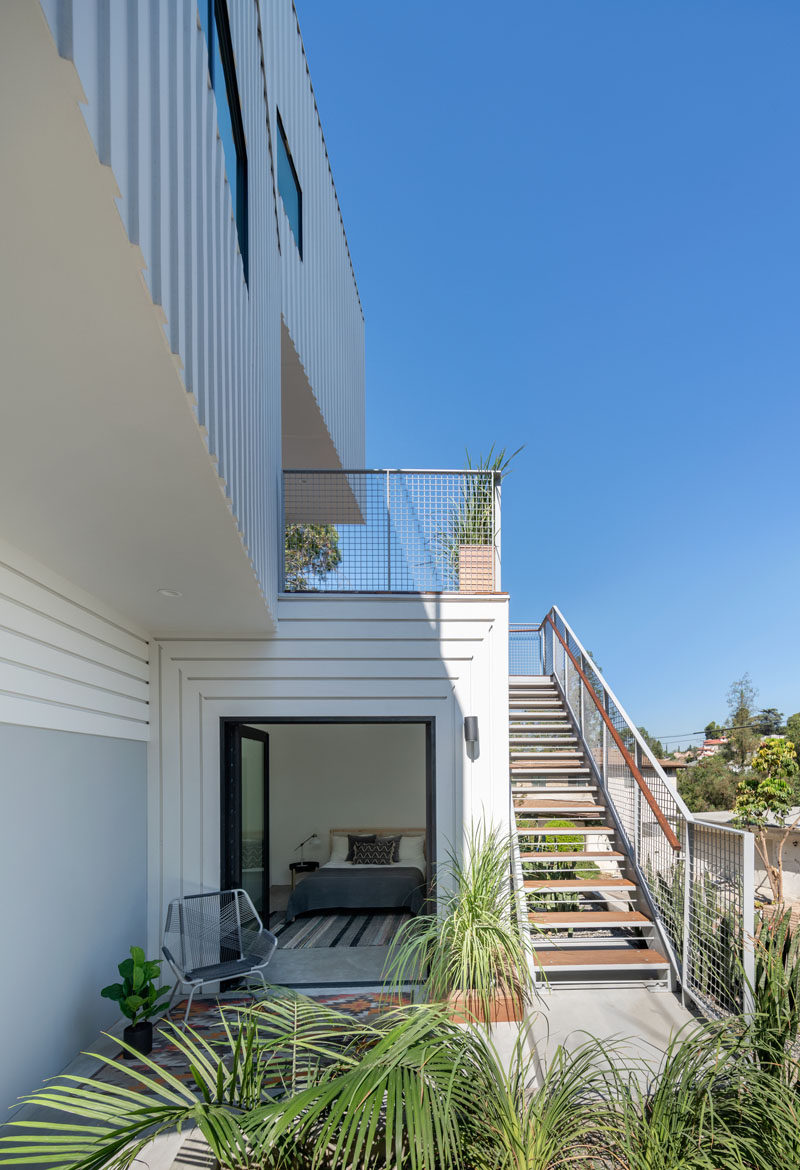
column 471, row 729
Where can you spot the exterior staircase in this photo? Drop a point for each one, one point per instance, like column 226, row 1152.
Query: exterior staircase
column 588, row 916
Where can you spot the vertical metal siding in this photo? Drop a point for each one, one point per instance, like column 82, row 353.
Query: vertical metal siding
column 320, row 299
column 143, row 67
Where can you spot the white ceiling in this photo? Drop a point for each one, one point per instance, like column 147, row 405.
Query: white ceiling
column 104, row 475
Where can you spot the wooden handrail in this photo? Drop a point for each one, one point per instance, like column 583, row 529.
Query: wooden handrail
column 626, row 755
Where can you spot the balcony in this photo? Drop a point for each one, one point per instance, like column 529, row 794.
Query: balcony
column 391, row 531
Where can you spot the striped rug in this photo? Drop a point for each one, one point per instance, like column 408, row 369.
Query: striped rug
column 358, row 929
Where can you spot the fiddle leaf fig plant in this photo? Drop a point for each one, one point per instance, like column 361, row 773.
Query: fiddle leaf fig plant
column 137, row 995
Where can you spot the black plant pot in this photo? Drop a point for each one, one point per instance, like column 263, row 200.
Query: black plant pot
column 140, row 1037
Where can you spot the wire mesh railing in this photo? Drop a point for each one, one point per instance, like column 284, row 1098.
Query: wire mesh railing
column 525, row 650
column 391, row 531
column 698, row 878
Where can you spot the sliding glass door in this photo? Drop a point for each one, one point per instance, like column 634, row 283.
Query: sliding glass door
column 245, row 814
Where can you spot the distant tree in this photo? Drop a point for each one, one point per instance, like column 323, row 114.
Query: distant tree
column 769, row 721
column 655, row 745
column 709, row 785
column 312, row 550
column 714, row 731
column 793, row 731
column 742, row 738
column 765, row 798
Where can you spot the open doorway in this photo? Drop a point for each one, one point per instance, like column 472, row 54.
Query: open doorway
column 300, row 801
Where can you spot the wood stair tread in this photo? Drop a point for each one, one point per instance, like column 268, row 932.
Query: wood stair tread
column 588, row 919
column 577, row 856
column 550, row 716
column 579, row 884
column 542, row 831
column 596, row 957
column 554, row 790
column 566, row 807
column 558, row 766
column 562, row 760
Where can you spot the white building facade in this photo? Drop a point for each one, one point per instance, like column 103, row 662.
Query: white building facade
column 180, row 323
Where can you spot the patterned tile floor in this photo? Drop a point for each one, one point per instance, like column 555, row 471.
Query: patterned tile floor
column 205, row 1019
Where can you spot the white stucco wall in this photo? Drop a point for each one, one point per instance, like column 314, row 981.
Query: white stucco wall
column 419, row 656
column 324, row 776
column 72, row 871
column 791, row 866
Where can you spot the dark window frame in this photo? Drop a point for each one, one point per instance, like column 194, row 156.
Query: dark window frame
column 219, row 26
column 284, row 142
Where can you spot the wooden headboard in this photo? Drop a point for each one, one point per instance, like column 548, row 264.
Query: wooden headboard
column 383, row 832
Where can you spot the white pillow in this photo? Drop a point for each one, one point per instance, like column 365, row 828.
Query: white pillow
column 412, row 851
column 339, row 847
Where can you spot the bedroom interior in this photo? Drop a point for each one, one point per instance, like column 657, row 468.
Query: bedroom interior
column 333, row 834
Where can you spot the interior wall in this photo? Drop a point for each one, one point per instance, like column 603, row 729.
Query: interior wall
column 72, row 867
column 326, row 776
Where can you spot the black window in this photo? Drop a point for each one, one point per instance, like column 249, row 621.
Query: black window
column 222, row 70
column 289, row 187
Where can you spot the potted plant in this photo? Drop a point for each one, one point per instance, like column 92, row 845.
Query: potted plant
column 472, row 954
column 470, row 540
column 138, row 997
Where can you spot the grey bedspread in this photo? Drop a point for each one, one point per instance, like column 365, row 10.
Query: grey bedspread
column 389, row 887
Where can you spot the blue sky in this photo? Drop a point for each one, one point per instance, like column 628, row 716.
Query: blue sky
column 576, row 224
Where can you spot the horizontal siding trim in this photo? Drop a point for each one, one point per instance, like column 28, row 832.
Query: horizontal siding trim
column 66, row 661
column 21, row 651
column 27, row 711
column 24, row 589
column 318, row 670
column 29, row 681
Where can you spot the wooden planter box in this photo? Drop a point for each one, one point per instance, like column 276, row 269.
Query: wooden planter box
column 475, row 568
column 464, row 1007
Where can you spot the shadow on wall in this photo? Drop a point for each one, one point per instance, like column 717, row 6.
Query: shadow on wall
column 73, row 856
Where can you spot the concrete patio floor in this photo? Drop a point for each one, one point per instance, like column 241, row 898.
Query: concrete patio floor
column 640, row 1022
column 326, row 968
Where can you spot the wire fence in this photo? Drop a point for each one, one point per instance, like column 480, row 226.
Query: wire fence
column 525, row 655
column 391, row 531
column 697, row 877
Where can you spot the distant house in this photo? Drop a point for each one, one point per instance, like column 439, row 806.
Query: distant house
column 711, row 747
column 672, row 767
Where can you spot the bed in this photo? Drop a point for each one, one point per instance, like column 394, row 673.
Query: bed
column 342, row 884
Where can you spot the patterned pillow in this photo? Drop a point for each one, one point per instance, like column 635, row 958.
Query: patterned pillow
column 352, row 838
column 373, row 853
column 395, row 841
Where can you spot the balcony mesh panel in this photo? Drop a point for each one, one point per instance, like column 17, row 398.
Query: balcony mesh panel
column 715, row 917
column 525, row 650
column 396, row 531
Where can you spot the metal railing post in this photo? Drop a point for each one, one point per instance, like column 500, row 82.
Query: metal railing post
column 748, row 921
column 282, row 532
column 580, row 695
column 637, row 807
column 605, row 740
column 388, row 533
column 496, row 514
column 687, row 909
